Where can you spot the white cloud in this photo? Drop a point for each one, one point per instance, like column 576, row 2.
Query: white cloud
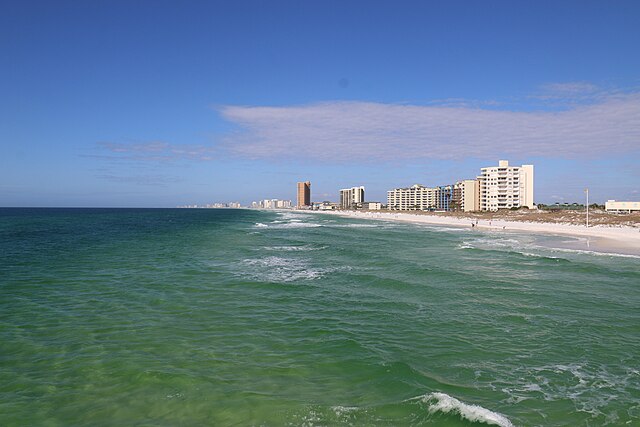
column 348, row 131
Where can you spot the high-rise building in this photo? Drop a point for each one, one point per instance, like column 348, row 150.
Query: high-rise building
column 444, row 193
column 465, row 196
column 304, row 195
column 416, row 197
column 351, row 197
column 506, row 187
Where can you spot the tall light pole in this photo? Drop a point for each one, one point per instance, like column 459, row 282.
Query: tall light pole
column 587, row 191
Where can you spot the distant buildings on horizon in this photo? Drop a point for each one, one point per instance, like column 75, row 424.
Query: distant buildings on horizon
column 272, row 204
column 497, row 187
column 232, row 205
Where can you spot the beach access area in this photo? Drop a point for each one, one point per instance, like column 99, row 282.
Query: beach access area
column 607, row 233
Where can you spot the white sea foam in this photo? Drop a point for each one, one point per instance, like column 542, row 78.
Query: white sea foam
column 290, row 224
column 296, row 224
column 303, row 248
column 585, row 252
column 358, row 226
column 442, row 402
column 279, row 269
column 342, row 410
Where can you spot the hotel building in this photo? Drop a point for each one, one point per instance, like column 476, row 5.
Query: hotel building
column 614, row 206
column 416, row 197
column 351, row 197
column 465, row 196
column 505, row 187
column 304, row 195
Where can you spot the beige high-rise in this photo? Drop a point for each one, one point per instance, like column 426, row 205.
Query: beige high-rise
column 465, row 196
column 304, row 195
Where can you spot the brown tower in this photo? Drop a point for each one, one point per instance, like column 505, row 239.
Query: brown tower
column 304, row 194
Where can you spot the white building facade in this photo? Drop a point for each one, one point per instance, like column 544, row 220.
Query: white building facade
column 272, row 204
column 416, row 197
column 351, row 197
column 614, row 206
column 372, row 206
column 505, row 187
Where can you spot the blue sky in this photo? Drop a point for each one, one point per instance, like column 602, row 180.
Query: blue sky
column 157, row 103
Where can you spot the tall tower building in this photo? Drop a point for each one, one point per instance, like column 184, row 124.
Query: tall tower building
column 304, row 195
column 506, row 187
column 351, row 197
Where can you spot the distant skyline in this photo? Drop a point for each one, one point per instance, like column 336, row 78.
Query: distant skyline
column 160, row 103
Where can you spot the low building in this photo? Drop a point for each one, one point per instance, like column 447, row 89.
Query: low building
column 614, row 206
column 324, row 206
column 372, row 206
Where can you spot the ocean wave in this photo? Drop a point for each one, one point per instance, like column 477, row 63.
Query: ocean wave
column 283, row 270
column 590, row 388
column 511, row 246
column 358, row 226
column 586, row 252
column 291, row 224
column 425, row 409
column 303, row 248
column 442, row 402
column 296, row 224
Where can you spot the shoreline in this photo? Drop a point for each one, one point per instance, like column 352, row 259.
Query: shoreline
column 611, row 240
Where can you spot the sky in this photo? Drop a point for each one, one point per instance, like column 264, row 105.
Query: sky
column 166, row 103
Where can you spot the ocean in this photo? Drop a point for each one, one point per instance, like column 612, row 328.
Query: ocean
column 180, row 317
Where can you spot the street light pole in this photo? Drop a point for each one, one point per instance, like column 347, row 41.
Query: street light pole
column 587, row 191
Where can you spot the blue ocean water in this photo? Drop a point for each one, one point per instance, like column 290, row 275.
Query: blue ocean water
column 238, row 317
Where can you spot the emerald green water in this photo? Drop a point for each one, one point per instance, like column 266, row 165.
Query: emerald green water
column 237, row 317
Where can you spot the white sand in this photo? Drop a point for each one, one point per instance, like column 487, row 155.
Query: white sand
column 623, row 240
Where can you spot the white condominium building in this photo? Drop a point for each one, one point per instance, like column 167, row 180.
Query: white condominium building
column 351, row 197
column 465, row 196
column 613, row 206
column 416, row 197
column 506, row 187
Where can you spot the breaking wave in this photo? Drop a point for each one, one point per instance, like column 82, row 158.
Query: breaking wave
column 303, row 248
column 442, row 402
column 428, row 409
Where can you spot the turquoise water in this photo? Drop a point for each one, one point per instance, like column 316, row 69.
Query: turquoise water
column 237, row 317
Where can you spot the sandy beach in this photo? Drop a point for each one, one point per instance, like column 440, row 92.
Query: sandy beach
column 599, row 238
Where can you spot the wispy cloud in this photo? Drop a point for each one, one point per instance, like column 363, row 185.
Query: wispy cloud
column 351, row 131
column 155, row 151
